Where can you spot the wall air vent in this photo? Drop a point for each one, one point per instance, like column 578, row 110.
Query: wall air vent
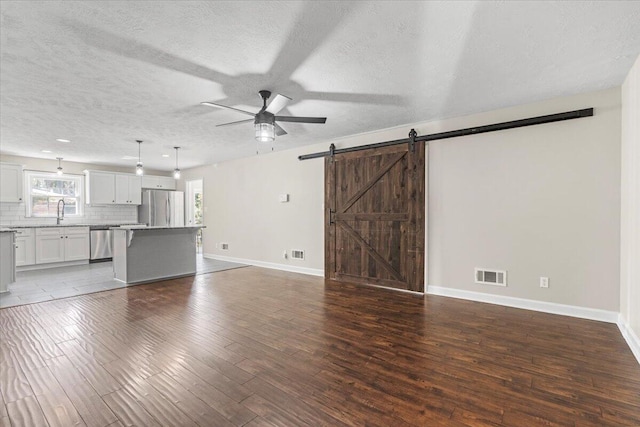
column 297, row 254
column 487, row 276
column 224, row 246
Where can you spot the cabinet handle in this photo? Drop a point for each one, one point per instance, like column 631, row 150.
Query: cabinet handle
column 62, row 237
column 66, row 237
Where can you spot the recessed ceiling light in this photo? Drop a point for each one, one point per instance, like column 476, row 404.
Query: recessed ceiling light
column 46, row 151
column 165, row 155
column 62, row 140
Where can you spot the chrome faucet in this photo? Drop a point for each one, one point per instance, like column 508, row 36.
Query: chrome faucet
column 60, row 212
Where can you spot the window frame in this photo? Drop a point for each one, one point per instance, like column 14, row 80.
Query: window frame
column 28, row 196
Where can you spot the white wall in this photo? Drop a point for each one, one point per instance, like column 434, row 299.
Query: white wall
column 14, row 213
column 241, row 208
column 630, row 215
column 536, row 201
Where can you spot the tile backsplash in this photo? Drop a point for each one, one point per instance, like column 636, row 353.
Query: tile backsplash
column 14, row 214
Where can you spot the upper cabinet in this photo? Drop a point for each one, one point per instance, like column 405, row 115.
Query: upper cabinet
column 100, row 188
column 109, row 188
column 10, row 183
column 158, row 182
column 128, row 189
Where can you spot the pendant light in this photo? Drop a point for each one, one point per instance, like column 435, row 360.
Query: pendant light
column 139, row 168
column 176, row 171
column 59, row 171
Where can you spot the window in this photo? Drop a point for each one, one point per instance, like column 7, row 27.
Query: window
column 44, row 191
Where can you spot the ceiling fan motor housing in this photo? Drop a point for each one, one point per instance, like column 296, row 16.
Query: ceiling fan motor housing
column 265, row 117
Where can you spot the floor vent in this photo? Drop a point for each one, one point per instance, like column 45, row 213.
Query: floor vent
column 224, row 246
column 297, row 254
column 486, row 276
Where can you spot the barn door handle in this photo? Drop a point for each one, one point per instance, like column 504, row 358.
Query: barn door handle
column 331, row 220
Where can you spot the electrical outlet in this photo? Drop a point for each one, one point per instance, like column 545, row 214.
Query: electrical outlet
column 544, row 282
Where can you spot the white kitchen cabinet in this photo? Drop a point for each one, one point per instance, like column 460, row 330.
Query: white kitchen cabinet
column 109, row 188
column 61, row 244
column 158, row 182
column 128, row 189
column 49, row 245
column 76, row 243
column 11, row 183
column 135, row 190
column 25, row 247
column 101, row 188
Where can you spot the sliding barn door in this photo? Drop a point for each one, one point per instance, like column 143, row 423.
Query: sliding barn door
column 374, row 229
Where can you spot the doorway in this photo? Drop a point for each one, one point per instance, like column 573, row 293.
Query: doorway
column 195, row 210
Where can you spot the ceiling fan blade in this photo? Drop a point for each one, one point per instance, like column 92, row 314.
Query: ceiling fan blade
column 297, row 119
column 235, row 123
column 213, row 104
column 279, row 130
column 278, row 103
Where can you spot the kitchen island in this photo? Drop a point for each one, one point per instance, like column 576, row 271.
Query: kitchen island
column 7, row 258
column 146, row 254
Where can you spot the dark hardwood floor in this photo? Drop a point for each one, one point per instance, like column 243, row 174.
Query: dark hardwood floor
column 256, row 347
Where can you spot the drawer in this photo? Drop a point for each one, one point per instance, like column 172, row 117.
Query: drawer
column 76, row 230
column 24, row 232
column 49, row 231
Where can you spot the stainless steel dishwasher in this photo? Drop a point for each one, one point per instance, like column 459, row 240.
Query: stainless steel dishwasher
column 101, row 239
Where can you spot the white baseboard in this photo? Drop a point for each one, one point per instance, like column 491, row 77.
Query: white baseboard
column 527, row 304
column 630, row 337
column 272, row 265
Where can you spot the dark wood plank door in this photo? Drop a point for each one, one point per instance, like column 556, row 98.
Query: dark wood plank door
column 374, row 217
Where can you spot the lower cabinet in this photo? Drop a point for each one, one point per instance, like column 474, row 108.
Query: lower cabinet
column 76, row 244
column 60, row 244
column 25, row 247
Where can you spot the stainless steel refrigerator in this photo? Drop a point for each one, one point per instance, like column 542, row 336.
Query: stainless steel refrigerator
column 162, row 208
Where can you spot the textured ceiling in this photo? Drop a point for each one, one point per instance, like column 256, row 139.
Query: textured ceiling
column 104, row 73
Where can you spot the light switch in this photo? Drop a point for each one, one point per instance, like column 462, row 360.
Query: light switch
column 283, row 198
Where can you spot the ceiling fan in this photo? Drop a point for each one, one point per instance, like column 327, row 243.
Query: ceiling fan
column 265, row 119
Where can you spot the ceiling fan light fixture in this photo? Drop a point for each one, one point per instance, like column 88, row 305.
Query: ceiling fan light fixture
column 265, row 132
column 265, row 120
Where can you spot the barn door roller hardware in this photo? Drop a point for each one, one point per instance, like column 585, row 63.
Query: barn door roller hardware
column 413, row 138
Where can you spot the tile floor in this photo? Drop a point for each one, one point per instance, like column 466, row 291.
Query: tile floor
column 61, row 282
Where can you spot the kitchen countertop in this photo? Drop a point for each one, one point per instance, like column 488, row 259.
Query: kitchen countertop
column 7, row 230
column 69, row 225
column 155, row 227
